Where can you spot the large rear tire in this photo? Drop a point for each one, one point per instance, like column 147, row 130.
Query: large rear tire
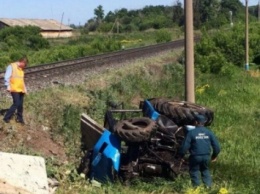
column 181, row 112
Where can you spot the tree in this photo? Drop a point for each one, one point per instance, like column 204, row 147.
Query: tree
column 99, row 13
column 178, row 12
column 205, row 11
column 110, row 17
column 121, row 13
column 232, row 5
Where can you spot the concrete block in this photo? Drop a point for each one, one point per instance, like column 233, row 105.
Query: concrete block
column 24, row 173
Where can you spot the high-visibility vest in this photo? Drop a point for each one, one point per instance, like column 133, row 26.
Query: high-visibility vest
column 17, row 79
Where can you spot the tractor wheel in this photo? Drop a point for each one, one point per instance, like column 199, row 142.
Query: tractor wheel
column 135, row 129
column 181, row 112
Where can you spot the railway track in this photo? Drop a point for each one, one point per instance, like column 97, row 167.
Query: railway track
column 44, row 73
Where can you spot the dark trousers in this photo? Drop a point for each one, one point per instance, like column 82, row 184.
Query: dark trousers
column 199, row 166
column 17, row 105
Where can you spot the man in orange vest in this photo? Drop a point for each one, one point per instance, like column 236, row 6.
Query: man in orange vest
column 14, row 81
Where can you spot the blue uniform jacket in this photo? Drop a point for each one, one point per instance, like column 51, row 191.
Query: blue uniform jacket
column 199, row 142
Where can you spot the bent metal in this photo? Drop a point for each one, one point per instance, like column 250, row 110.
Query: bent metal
column 142, row 143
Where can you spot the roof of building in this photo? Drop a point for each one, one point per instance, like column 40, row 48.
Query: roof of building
column 44, row 24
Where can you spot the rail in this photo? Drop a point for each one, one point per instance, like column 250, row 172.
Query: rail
column 47, row 71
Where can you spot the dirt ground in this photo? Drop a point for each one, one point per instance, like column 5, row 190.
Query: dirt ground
column 5, row 188
column 17, row 138
column 25, row 139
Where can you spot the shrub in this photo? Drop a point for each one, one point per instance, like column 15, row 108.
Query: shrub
column 24, row 38
column 130, row 28
column 163, row 36
column 70, row 122
column 218, row 49
column 105, row 27
column 98, row 44
column 16, row 55
column 4, row 61
column 37, row 43
column 211, row 63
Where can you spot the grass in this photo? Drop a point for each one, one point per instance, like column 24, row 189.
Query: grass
column 236, row 105
column 235, row 101
column 234, row 98
column 129, row 40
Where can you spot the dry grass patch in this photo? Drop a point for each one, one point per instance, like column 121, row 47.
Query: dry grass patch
column 255, row 73
column 146, row 66
column 71, row 96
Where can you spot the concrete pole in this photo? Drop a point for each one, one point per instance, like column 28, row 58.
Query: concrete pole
column 189, row 52
column 117, row 26
column 246, row 39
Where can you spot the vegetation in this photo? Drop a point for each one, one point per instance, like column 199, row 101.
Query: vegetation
column 41, row 51
column 126, row 29
column 221, row 84
column 210, row 14
column 218, row 52
column 236, row 122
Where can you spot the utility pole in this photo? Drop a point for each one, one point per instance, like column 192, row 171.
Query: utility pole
column 246, row 38
column 189, row 52
column 117, row 23
column 117, row 26
column 60, row 24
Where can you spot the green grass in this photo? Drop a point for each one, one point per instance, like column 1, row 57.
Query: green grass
column 234, row 98
column 236, row 105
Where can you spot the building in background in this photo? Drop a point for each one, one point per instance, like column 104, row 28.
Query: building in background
column 49, row 28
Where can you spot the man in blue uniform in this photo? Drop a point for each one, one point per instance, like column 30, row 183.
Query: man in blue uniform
column 199, row 142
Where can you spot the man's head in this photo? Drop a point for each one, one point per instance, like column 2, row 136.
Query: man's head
column 23, row 62
column 200, row 119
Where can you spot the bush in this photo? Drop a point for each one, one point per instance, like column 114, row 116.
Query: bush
column 163, row 36
column 130, row 28
column 37, row 43
column 16, row 55
column 98, row 44
column 70, row 122
column 229, row 70
column 218, row 50
column 106, row 44
column 211, row 63
column 4, row 61
column 24, row 38
column 105, row 27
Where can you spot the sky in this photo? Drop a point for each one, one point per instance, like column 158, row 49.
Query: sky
column 76, row 12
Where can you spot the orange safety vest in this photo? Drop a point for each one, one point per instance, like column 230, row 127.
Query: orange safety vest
column 17, row 79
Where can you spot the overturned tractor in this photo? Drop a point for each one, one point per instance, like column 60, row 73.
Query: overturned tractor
column 142, row 146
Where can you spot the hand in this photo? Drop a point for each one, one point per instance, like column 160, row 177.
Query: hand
column 213, row 159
